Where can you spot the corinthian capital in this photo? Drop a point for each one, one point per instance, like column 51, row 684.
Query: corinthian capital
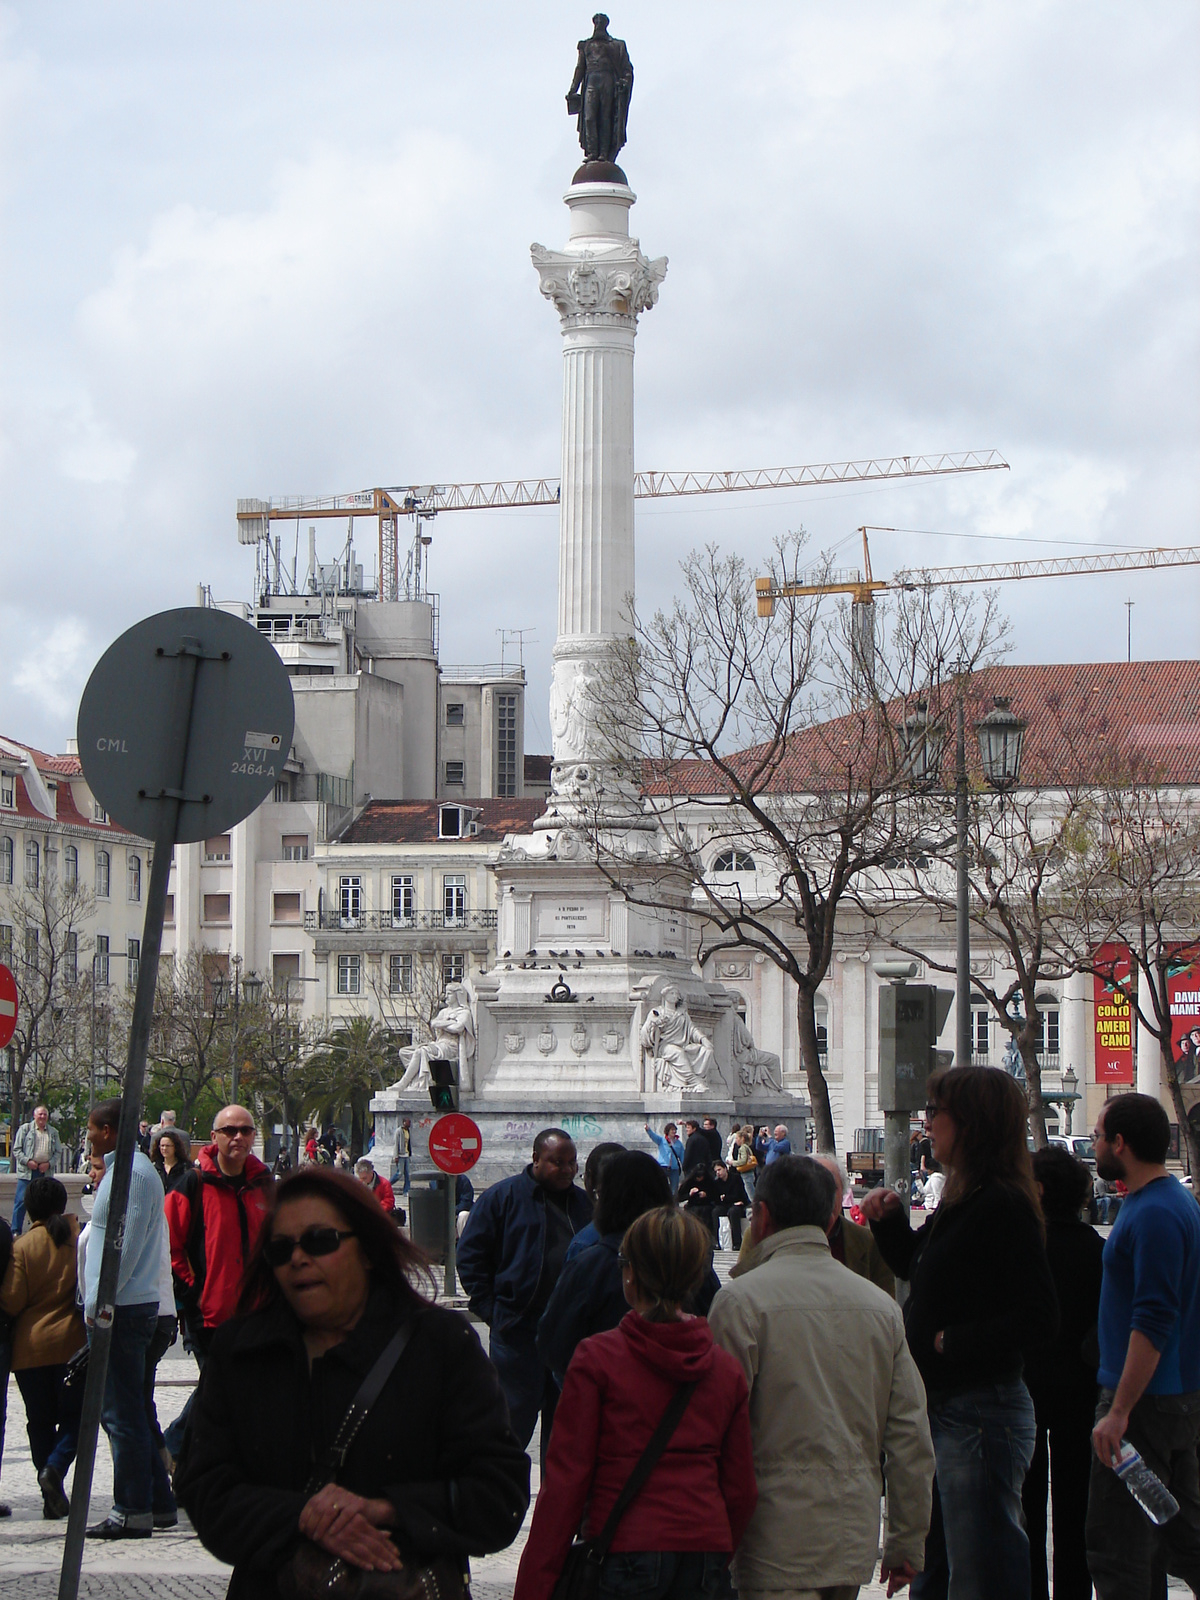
column 590, row 288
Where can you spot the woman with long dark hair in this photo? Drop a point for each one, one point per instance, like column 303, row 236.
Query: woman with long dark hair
column 170, row 1153
column 39, row 1292
column 433, row 1472
column 980, row 1296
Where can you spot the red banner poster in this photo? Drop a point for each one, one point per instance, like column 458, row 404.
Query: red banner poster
column 1183, row 992
column 1114, row 1017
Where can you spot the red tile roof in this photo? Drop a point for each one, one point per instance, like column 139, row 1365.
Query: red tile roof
column 1082, row 721
column 66, row 812
column 416, row 821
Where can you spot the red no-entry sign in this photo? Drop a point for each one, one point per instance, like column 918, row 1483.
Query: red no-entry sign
column 8, row 1006
column 455, row 1143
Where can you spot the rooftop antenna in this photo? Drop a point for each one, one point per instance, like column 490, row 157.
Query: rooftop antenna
column 1129, row 605
column 507, row 635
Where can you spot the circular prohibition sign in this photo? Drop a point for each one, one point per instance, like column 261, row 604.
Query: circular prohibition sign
column 455, row 1143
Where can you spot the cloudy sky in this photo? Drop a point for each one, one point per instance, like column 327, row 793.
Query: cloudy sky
column 261, row 249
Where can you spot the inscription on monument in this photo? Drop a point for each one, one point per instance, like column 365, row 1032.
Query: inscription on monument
column 581, row 918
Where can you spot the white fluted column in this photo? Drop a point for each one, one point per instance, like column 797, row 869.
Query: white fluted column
column 599, row 284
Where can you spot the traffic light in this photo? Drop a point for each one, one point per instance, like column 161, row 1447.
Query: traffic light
column 443, row 1090
column 911, row 1016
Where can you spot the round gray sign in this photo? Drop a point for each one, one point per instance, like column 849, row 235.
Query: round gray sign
column 196, row 687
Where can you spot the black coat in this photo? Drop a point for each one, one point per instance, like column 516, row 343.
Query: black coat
column 1075, row 1252
column 436, row 1443
column 589, row 1298
column 698, row 1150
column 978, row 1274
column 502, row 1252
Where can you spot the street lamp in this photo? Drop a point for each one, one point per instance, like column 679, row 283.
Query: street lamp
column 226, row 991
column 1070, row 1085
column 1001, row 736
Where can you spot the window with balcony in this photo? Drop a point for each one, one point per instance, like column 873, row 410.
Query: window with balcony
column 404, row 900
column 295, row 847
column 454, row 899
column 71, row 958
column 33, row 859
column 6, row 859
column 285, row 908
column 400, row 974
column 133, row 957
column 70, row 867
column 100, row 961
column 218, row 848
column 456, row 774
column 350, row 900
column 455, row 714
column 103, row 874
column 506, row 744
column 8, row 791
column 349, row 975
column 133, row 870
column 454, row 969
column 216, row 908
column 1048, row 1039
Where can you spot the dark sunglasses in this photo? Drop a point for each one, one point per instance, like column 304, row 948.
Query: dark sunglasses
column 277, row 1252
column 232, row 1128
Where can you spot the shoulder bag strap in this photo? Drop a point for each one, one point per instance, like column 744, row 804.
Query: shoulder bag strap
column 368, row 1392
column 649, row 1459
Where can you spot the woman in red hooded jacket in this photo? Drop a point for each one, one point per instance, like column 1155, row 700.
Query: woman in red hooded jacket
column 679, row 1533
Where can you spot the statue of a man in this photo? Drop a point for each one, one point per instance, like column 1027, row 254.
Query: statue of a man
column 600, row 93
column 682, row 1055
column 453, row 1040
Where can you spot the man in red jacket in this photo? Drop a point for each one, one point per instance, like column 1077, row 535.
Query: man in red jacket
column 215, row 1217
column 364, row 1171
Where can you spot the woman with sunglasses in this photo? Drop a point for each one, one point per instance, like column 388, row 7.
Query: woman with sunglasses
column 980, row 1297
column 434, row 1470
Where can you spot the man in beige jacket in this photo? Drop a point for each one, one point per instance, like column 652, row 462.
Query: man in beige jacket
column 832, row 1389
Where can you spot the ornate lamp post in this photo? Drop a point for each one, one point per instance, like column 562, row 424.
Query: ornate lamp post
column 1001, row 736
column 232, row 991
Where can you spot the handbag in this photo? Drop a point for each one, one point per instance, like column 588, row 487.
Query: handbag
column 580, row 1576
column 313, row 1574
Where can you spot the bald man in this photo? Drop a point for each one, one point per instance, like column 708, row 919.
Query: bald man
column 215, row 1217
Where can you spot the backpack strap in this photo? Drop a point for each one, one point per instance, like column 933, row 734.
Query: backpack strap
column 193, row 1188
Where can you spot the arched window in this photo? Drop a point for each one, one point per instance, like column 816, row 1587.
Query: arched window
column 32, row 864
column 6, row 859
column 70, row 867
column 734, row 861
column 103, row 874
column 134, row 873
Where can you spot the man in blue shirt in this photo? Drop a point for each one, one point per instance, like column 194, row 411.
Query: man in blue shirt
column 1149, row 1376
column 142, row 1496
column 779, row 1145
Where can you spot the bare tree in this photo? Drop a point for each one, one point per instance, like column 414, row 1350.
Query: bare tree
column 190, row 1044
column 279, row 1045
column 771, row 743
column 1135, row 884
column 47, row 948
column 1018, row 846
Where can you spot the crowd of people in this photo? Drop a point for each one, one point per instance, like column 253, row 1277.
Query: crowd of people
column 701, row 1437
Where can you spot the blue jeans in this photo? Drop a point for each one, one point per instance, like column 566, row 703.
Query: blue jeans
column 664, row 1575
column 140, row 1483
column 977, row 1548
column 18, row 1217
column 51, row 1416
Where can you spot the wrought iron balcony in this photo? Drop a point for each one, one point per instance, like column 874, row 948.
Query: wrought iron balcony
column 386, row 922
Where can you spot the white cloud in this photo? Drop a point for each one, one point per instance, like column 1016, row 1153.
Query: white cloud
column 49, row 668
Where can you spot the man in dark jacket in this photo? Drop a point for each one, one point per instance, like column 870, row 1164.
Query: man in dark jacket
column 697, row 1149
column 509, row 1259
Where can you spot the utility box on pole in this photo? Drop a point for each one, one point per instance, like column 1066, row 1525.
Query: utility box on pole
column 911, row 1016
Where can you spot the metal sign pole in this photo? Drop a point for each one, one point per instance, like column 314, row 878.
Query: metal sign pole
column 451, row 1280
column 175, row 762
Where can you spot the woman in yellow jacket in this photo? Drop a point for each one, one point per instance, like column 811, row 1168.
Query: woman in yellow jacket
column 38, row 1292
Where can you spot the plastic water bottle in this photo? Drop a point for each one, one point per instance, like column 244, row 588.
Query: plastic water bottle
column 1146, row 1487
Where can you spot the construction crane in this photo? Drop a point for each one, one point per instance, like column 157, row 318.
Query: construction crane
column 424, row 501
column 862, row 586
